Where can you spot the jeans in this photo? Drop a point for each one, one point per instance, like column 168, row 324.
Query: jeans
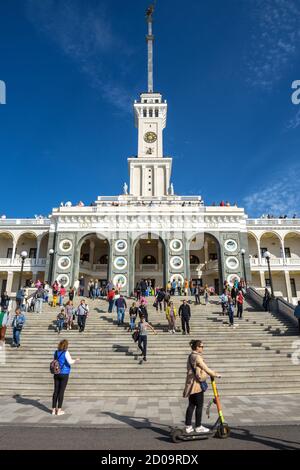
column 121, row 315
column 60, row 325
column 110, row 305
column 231, row 315
column 132, row 322
column 81, row 322
column 16, row 336
column 143, row 345
column 196, row 400
column 38, row 307
column 61, row 300
column 81, row 291
column 197, row 299
column 160, row 306
column 185, row 323
column 60, row 384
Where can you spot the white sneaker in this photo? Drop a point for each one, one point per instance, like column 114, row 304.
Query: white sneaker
column 189, row 429
column 174, row 331
column 202, row 429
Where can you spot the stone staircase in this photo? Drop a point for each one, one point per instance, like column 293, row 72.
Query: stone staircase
column 254, row 358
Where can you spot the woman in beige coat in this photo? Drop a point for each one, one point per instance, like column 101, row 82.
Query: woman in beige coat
column 197, row 372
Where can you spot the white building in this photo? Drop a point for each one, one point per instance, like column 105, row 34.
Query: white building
column 149, row 231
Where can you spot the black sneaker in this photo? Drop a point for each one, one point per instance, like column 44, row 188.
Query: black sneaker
column 144, row 359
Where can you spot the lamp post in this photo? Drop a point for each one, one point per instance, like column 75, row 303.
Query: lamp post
column 51, row 254
column 267, row 256
column 243, row 251
column 24, row 255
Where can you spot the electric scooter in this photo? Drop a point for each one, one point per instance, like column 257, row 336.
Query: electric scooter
column 220, row 429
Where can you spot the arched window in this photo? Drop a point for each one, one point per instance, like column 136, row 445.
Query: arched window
column 194, row 259
column 156, row 113
column 103, row 259
column 149, row 259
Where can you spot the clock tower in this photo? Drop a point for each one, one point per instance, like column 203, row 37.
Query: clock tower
column 150, row 172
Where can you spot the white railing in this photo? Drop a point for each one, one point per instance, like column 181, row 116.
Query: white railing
column 148, row 267
column 29, row 262
column 288, row 222
column 275, row 262
column 27, row 222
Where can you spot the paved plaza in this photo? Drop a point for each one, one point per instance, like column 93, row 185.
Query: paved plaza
column 147, row 412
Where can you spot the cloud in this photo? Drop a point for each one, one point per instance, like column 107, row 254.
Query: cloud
column 275, row 41
column 85, row 36
column 280, row 195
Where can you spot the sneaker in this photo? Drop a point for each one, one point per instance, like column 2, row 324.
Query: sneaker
column 202, row 429
column 170, row 331
column 54, row 412
column 145, row 359
column 174, row 331
column 60, row 412
column 189, row 429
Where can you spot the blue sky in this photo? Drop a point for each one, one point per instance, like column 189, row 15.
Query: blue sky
column 73, row 68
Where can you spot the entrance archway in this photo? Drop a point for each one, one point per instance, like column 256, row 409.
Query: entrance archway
column 204, row 261
column 94, row 259
column 149, row 260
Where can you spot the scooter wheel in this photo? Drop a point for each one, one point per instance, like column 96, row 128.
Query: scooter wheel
column 176, row 435
column 223, row 431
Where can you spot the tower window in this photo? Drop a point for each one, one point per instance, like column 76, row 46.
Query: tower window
column 156, row 113
column 145, row 113
column 151, row 113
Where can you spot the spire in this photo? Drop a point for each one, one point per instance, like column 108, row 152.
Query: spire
column 150, row 39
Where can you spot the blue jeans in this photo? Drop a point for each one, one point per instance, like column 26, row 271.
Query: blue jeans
column 61, row 300
column 111, row 306
column 132, row 323
column 60, row 324
column 121, row 315
column 231, row 315
column 16, row 336
column 143, row 345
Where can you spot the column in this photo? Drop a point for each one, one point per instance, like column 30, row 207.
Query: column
column 205, row 252
column 283, row 252
column 13, row 252
column 9, row 284
column 288, row 286
column 92, row 252
column 262, row 279
column 160, row 261
column 137, row 256
column 259, row 253
column 155, row 185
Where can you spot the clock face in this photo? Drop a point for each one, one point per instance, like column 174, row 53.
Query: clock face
column 150, row 137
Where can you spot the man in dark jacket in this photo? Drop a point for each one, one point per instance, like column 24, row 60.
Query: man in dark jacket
column 297, row 314
column 121, row 306
column 185, row 314
column 159, row 298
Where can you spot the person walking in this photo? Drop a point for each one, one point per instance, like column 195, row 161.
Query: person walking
column 121, row 307
column 143, row 310
column 81, row 286
column 231, row 312
column 3, row 325
column 186, row 287
column 17, row 325
column 55, row 289
column 206, row 294
column 171, row 314
column 240, row 304
column 65, row 361
column 62, row 293
column 167, row 299
column 69, row 314
column 5, row 301
column 197, row 374
column 133, row 312
column 197, row 295
column 159, row 299
column 297, row 314
column 138, row 291
column 20, row 297
column 185, row 314
column 143, row 327
column 60, row 320
column 233, row 295
column 266, row 300
column 111, row 300
column 224, row 302
column 82, row 314
column 76, row 287
column 71, row 294
column 39, row 300
column 174, row 286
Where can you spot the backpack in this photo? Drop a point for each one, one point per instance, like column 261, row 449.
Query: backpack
column 55, row 365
